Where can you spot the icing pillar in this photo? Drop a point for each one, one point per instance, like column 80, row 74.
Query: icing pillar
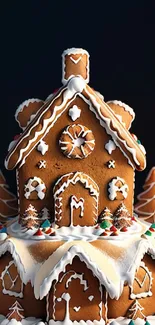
column 75, row 62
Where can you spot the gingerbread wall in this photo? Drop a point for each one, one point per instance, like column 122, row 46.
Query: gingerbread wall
column 95, row 165
column 87, row 299
column 120, row 307
column 31, row 306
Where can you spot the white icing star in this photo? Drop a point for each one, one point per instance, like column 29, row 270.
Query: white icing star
column 74, row 113
column 42, row 147
column 110, row 146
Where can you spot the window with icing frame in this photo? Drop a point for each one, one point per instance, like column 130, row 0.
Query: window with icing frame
column 11, row 281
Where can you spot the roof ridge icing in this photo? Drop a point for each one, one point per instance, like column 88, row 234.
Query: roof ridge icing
column 43, row 121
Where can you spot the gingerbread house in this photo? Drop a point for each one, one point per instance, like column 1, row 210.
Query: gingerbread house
column 76, row 253
column 75, row 143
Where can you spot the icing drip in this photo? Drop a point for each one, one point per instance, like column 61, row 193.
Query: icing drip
column 66, row 297
column 76, row 204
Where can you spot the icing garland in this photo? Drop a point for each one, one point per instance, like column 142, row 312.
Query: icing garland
column 35, row 189
column 77, row 141
column 116, row 185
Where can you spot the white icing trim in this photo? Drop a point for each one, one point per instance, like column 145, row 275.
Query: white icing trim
column 9, row 292
column 81, row 322
column 125, row 106
column 145, row 293
column 23, row 104
column 56, row 264
column 74, row 87
column 74, row 51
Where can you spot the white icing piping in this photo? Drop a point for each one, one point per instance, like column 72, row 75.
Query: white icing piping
column 74, row 51
column 125, row 106
column 75, row 86
column 85, row 179
column 42, row 289
column 13, row 281
column 149, row 175
column 113, row 133
column 22, row 105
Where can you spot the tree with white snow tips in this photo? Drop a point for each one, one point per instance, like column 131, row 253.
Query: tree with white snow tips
column 16, row 312
column 30, row 219
column 145, row 208
column 135, row 311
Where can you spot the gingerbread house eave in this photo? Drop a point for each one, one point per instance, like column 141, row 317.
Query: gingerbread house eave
column 50, row 112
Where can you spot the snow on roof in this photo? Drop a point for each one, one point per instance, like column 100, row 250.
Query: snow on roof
column 25, row 263
column 125, row 261
column 41, row 262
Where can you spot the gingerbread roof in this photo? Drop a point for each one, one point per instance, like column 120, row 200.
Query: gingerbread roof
column 49, row 113
column 41, row 262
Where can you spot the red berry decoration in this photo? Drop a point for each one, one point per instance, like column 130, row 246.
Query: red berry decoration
column 152, row 229
column 113, row 229
column 52, row 234
column 124, row 229
column 133, row 219
column 38, row 233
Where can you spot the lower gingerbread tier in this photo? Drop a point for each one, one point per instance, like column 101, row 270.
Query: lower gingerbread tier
column 77, row 292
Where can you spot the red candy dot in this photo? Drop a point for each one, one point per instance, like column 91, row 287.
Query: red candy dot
column 38, row 233
column 152, row 229
column 113, row 228
column 124, row 229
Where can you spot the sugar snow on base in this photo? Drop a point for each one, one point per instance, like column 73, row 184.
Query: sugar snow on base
column 25, row 321
column 138, row 321
column 73, row 232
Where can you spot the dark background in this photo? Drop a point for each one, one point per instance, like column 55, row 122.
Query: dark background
column 120, row 37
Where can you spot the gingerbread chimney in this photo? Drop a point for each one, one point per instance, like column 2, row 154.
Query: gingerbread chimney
column 75, row 62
